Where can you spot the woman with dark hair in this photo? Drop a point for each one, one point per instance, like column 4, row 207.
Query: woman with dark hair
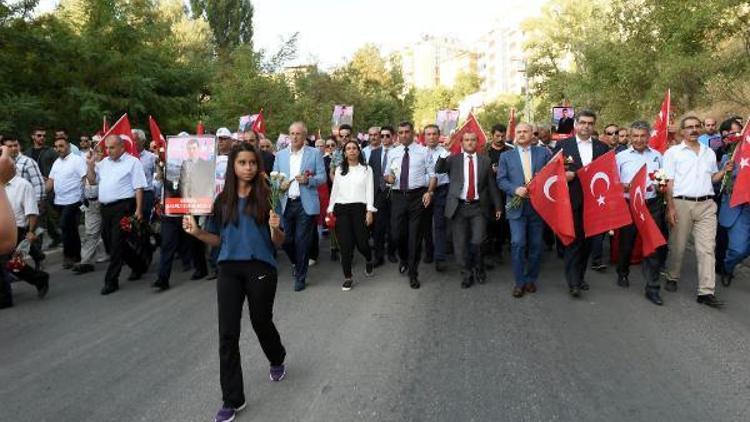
column 351, row 202
column 247, row 233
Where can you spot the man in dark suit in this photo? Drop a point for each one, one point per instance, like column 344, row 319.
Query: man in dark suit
column 472, row 192
column 377, row 159
column 515, row 170
column 578, row 152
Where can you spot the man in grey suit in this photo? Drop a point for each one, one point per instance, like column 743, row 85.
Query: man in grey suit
column 472, row 192
column 196, row 174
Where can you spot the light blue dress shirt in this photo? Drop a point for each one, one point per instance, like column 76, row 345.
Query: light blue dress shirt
column 421, row 169
column 630, row 161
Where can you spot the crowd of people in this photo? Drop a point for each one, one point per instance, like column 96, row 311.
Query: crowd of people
column 392, row 198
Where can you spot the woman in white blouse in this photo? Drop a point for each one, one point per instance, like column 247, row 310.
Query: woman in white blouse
column 351, row 202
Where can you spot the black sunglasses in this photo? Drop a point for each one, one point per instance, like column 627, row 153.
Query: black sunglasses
column 330, row 145
column 611, row 133
column 385, row 135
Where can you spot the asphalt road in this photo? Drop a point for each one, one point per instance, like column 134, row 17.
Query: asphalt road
column 382, row 351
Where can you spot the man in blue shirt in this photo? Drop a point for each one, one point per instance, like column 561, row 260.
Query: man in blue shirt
column 629, row 162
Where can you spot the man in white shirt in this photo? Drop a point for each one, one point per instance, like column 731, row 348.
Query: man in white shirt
column 26, row 212
column 121, row 181
column 436, row 224
column 691, row 170
column 66, row 179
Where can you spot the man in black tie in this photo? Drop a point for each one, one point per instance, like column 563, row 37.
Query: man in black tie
column 377, row 158
column 578, row 152
column 411, row 172
column 471, row 193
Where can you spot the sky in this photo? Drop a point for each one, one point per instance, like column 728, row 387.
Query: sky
column 331, row 30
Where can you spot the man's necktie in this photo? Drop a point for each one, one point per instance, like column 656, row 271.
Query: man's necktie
column 471, row 192
column 384, row 167
column 527, row 165
column 404, row 177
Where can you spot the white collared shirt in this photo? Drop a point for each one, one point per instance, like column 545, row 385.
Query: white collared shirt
column 630, row 161
column 67, row 175
column 691, row 172
column 119, row 179
column 439, row 152
column 354, row 188
column 585, row 150
column 465, row 189
column 295, row 163
column 22, row 199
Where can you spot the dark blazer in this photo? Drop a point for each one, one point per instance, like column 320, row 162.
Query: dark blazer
column 489, row 195
column 569, row 148
column 376, row 165
column 510, row 175
column 268, row 160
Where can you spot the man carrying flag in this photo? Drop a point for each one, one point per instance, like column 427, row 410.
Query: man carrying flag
column 579, row 151
column 635, row 164
column 691, row 169
column 734, row 213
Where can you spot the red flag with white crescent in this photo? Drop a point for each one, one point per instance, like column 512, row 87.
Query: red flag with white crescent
column 741, row 187
column 548, row 194
column 471, row 125
column 660, row 134
column 604, row 206
column 157, row 137
column 122, row 128
column 259, row 125
column 648, row 230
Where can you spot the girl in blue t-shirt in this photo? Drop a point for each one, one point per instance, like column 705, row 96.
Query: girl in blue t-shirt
column 247, row 232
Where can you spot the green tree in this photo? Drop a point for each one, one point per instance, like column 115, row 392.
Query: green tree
column 231, row 21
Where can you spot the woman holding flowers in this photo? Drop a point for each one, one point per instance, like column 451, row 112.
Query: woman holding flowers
column 247, row 231
column 351, row 207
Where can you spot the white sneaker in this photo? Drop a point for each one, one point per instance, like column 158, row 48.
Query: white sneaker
column 311, row 262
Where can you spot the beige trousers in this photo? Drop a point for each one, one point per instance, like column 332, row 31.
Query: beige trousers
column 698, row 218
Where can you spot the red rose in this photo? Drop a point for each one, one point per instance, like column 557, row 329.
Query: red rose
column 125, row 224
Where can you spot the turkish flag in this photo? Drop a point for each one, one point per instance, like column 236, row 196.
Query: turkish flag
column 157, row 137
column 471, row 125
column 660, row 134
column 647, row 229
column 548, row 194
column 200, row 129
column 259, row 124
column 105, row 124
column 741, row 188
column 604, row 206
column 122, row 128
column 510, row 134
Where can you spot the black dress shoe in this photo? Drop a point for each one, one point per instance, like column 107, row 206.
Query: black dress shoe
column 392, row 259
column 134, row 276
column 622, row 281
column 575, row 292
column 671, row 286
column 379, row 262
column 653, row 296
column 160, row 285
column 109, row 289
column 414, row 283
column 480, row 276
column 726, row 279
column 82, row 269
column 467, row 281
column 43, row 288
column 440, row 266
column 710, row 300
column 403, row 268
column 584, row 285
column 517, row 292
column 198, row 275
column 429, row 259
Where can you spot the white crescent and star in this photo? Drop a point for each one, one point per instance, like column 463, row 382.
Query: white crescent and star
column 639, row 192
column 599, row 175
column 547, row 185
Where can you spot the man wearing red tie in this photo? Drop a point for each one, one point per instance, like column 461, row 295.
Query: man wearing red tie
column 472, row 192
column 579, row 151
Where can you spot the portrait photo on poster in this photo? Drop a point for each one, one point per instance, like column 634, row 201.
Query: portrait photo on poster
column 342, row 114
column 562, row 119
column 190, row 175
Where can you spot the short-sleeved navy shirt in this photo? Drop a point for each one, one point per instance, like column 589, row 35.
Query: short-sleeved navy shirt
column 245, row 241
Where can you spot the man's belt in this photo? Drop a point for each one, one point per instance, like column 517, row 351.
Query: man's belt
column 410, row 191
column 695, row 199
column 461, row 201
column 118, row 202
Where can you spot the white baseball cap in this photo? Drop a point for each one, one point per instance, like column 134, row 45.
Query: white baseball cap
column 223, row 133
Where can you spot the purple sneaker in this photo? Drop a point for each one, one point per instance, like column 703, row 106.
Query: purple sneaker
column 227, row 414
column 278, row 373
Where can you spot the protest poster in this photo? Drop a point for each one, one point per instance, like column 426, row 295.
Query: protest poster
column 190, row 175
column 342, row 114
column 447, row 121
column 562, row 119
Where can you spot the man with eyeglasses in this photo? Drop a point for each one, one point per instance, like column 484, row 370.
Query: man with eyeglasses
column 45, row 156
column 377, row 158
column 609, row 136
column 580, row 151
column 412, row 173
column 691, row 169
